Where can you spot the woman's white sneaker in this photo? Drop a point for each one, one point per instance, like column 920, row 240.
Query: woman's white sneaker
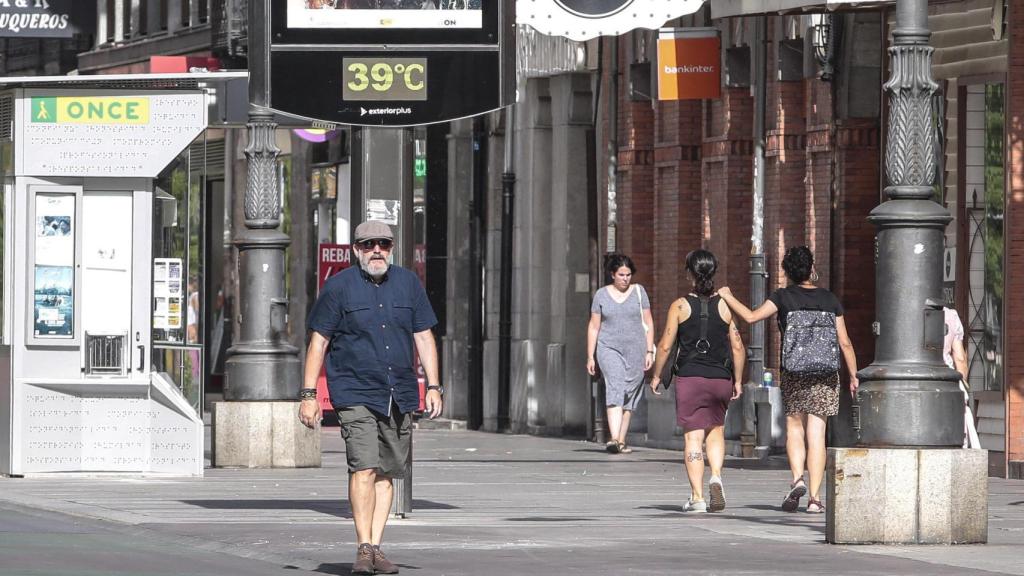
column 717, row 495
column 696, row 506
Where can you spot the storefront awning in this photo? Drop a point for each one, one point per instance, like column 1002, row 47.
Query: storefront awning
column 725, row 8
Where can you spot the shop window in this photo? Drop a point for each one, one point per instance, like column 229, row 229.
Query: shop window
column 982, row 217
column 110, row 12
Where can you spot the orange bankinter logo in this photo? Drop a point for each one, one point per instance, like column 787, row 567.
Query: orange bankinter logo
column 688, row 68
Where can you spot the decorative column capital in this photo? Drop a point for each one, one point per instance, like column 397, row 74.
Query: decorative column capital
column 262, row 195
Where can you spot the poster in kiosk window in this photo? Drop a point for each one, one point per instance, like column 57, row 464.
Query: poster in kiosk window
column 53, row 304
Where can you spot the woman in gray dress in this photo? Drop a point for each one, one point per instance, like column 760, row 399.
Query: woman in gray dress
column 620, row 339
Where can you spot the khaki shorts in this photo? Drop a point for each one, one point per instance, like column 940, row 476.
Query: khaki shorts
column 375, row 441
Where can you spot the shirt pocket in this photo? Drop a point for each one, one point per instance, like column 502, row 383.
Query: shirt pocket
column 403, row 315
column 357, row 316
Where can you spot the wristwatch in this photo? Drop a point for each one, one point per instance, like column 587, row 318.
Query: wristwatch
column 437, row 387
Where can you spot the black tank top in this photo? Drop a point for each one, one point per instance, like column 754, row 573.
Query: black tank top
column 716, row 362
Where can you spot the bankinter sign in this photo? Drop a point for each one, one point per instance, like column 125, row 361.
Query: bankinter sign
column 689, row 64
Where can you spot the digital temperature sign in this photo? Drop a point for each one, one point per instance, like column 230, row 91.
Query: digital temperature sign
column 390, row 63
column 369, row 79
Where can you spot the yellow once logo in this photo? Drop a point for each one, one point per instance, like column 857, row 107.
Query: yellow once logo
column 91, row 110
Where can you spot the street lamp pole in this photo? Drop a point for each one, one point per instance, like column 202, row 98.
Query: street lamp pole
column 261, row 365
column 908, row 396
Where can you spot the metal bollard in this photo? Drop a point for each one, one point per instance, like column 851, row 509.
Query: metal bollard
column 401, row 501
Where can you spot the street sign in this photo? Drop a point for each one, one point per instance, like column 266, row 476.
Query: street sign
column 414, row 62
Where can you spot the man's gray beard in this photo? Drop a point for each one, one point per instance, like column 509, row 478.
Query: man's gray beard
column 365, row 265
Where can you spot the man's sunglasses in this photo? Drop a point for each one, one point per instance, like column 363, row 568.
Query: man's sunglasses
column 367, row 245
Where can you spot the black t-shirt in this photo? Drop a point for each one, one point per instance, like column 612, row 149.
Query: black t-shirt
column 798, row 298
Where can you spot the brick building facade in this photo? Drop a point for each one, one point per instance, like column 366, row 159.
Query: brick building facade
column 686, row 176
column 685, row 180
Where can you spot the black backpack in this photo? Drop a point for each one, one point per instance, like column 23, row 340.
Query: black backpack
column 810, row 344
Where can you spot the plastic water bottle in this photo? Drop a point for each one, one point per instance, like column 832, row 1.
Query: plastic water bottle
column 766, row 380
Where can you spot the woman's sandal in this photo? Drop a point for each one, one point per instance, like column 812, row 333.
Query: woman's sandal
column 814, row 506
column 796, row 492
column 623, row 449
column 612, row 447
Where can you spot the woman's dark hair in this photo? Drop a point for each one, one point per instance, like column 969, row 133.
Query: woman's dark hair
column 798, row 263
column 616, row 261
column 702, row 265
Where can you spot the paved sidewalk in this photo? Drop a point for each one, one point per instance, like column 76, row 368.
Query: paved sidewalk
column 496, row 505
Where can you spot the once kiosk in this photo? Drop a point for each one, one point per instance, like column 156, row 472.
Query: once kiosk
column 81, row 291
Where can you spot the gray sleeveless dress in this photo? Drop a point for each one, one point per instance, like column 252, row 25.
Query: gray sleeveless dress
column 621, row 346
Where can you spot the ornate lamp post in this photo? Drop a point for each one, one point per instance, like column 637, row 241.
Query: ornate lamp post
column 261, row 365
column 908, row 397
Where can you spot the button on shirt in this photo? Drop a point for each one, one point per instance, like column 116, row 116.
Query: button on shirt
column 370, row 328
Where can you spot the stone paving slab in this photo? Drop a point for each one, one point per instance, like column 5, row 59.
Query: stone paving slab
column 490, row 504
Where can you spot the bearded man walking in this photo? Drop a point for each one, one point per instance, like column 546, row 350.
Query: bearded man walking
column 366, row 321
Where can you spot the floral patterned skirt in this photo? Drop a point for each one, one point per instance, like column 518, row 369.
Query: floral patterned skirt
column 816, row 394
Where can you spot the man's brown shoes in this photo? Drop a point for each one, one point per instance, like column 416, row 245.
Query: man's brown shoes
column 370, row 560
column 364, row 561
column 382, row 564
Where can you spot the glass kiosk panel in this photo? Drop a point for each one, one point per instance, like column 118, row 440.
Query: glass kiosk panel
column 178, row 253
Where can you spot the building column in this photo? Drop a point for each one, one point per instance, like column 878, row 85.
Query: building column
column 565, row 408
column 458, row 344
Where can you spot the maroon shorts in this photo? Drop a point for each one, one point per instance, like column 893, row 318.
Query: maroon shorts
column 701, row 402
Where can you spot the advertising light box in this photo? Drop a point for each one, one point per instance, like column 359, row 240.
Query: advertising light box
column 369, row 14
column 393, row 62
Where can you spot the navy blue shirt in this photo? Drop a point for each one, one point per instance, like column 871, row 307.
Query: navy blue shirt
column 370, row 328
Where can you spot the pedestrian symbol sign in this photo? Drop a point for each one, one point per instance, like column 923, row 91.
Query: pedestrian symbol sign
column 44, row 109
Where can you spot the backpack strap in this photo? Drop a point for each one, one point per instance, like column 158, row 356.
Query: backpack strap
column 703, row 346
column 699, row 348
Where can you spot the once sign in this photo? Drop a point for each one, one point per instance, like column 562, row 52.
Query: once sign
column 83, row 133
column 95, row 110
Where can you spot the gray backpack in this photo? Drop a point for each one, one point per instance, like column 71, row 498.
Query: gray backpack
column 810, row 344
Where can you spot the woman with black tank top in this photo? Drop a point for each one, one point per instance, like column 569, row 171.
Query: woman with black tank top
column 809, row 399
column 709, row 374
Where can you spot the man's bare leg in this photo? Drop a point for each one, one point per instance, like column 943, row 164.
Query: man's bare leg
column 381, row 508
column 362, row 497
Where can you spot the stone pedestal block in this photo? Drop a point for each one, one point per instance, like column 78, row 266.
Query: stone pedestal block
column 906, row 496
column 263, row 435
